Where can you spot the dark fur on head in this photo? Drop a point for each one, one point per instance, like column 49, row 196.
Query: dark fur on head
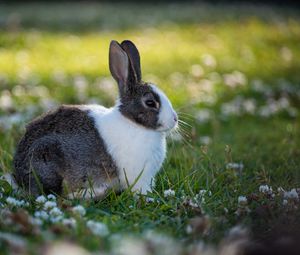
column 138, row 101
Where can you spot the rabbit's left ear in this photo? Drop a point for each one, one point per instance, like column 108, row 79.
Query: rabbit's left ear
column 119, row 65
column 134, row 58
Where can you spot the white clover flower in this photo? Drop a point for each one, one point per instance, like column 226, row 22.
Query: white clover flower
column 55, row 212
column 6, row 101
column 35, row 221
column 150, row 199
column 81, row 85
column 15, row 202
column 292, row 194
column 264, row 111
column 97, row 228
column 236, row 166
column 197, row 71
column 265, row 189
column 107, row 85
column 200, row 197
column 41, row 199
column 7, row 122
column 42, row 215
column 189, row 229
column 249, row 106
column 230, row 109
column 284, row 202
column 280, row 189
column 79, row 209
column 71, row 222
column 51, row 197
column 56, row 219
column 258, row 86
column 176, row 78
column 209, row 60
column 235, row 79
column 49, row 205
column 204, row 115
column 12, row 201
column 205, row 140
column 203, row 192
column 47, row 103
column 283, row 103
column 169, row 193
column 193, row 204
column 242, row 200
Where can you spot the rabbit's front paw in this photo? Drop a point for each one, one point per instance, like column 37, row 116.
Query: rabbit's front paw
column 89, row 193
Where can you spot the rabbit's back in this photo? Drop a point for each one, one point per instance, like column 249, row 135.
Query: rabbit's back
column 62, row 147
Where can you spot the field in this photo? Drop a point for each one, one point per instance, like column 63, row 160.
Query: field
column 233, row 172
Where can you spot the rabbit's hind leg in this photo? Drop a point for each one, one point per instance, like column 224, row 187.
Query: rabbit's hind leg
column 46, row 166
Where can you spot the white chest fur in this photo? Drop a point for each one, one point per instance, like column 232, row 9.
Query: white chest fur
column 137, row 151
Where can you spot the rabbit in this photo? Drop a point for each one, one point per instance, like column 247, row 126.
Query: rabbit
column 89, row 149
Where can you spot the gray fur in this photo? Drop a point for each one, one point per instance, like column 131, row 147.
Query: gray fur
column 62, row 146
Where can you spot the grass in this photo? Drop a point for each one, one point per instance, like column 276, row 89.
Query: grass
column 231, row 72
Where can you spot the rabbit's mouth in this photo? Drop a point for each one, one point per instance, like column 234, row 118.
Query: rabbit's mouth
column 169, row 123
column 167, row 127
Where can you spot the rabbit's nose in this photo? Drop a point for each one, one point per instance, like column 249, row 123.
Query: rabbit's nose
column 175, row 117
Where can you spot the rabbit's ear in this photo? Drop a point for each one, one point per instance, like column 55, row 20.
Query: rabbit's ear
column 118, row 64
column 134, row 58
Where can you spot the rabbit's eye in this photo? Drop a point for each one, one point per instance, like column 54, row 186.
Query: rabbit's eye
column 151, row 103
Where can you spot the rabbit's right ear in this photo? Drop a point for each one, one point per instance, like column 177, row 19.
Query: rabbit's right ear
column 134, row 58
column 118, row 65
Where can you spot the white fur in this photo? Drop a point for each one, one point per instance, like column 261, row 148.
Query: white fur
column 167, row 116
column 137, row 151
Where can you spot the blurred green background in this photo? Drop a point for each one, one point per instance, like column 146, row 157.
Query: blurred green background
column 231, row 70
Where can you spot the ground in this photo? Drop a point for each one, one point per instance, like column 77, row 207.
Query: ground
column 232, row 74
